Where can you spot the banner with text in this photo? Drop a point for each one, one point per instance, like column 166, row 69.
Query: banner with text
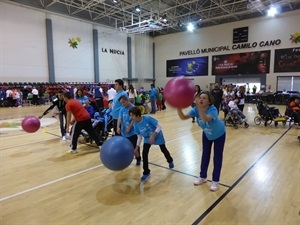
column 188, row 67
column 287, row 60
column 241, row 63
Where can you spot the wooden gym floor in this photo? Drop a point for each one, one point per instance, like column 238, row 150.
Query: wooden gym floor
column 41, row 185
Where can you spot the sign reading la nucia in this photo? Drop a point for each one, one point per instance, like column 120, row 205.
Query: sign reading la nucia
column 113, row 51
column 233, row 47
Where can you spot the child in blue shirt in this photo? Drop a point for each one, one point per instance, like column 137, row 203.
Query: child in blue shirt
column 125, row 125
column 214, row 132
column 150, row 129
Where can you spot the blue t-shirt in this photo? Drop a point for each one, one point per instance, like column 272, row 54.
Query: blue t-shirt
column 153, row 94
column 146, row 128
column 117, row 104
column 97, row 92
column 82, row 99
column 212, row 129
column 125, row 121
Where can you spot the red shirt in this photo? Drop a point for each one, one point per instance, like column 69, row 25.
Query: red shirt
column 77, row 109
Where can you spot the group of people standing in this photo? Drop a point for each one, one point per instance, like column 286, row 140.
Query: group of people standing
column 130, row 123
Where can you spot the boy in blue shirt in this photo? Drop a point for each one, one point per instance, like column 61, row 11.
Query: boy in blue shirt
column 125, row 125
column 214, row 132
column 150, row 129
column 116, row 105
column 153, row 93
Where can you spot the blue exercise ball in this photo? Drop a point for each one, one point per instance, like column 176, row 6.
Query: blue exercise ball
column 117, row 153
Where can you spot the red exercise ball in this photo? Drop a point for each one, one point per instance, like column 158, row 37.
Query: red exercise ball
column 31, row 124
column 179, row 92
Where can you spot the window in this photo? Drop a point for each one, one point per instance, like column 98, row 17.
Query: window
column 288, row 83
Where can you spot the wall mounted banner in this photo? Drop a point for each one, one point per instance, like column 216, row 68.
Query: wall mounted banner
column 287, row 60
column 241, row 63
column 188, row 67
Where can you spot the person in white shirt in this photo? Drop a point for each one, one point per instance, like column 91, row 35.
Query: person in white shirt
column 9, row 97
column 111, row 93
column 35, row 96
column 131, row 94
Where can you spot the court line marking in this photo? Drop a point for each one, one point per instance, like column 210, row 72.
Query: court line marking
column 87, row 170
column 49, row 183
column 188, row 174
column 206, row 212
column 65, row 177
column 17, row 146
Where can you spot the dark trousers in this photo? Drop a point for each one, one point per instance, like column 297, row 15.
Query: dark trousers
column 133, row 140
column 145, row 154
column 153, row 106
column 163, row 105
column 35, row 100
column 296, row 116
column 99, row 104
column 115, row 122
column 241, row 107
column 76, row 131
column 217, row 105
column 10, row 101
column 218, row 156
column 62, row 123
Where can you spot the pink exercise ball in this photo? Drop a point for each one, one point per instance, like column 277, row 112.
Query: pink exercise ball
column 179, row 92
column 31, row 124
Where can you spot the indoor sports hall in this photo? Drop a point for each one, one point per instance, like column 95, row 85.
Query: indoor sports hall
column 58, row 46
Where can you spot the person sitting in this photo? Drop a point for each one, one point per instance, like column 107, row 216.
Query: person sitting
column 295, row 106
column 89, row 108
column 233, row 105
column 80, row 97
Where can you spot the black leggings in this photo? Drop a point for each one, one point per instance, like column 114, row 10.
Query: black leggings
column 76, row 131
column 133, row 140
column 115, row 123
column 145, row 153
column 241, row 107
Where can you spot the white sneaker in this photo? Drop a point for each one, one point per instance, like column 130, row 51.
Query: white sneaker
column 214, row 186
column 200, row 180
column 63, row 138
column 71, row 151
column 68, row 136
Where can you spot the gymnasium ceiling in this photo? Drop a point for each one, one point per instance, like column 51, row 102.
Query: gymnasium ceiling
column 177, row 12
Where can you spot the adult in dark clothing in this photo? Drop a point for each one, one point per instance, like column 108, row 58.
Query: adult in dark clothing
column 60, row 103
column 217, row 94
column 98, row 95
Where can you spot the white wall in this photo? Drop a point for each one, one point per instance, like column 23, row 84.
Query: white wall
column 112, row 66
column 143, row 53
column 72, row 64
column 260, row 29
column 23, row 52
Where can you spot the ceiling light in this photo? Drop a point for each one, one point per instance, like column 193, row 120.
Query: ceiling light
column 272, row 11
column 137, row 8
column 115, row 1
column 190, row 27
column 179, row 24
column 163, row 18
